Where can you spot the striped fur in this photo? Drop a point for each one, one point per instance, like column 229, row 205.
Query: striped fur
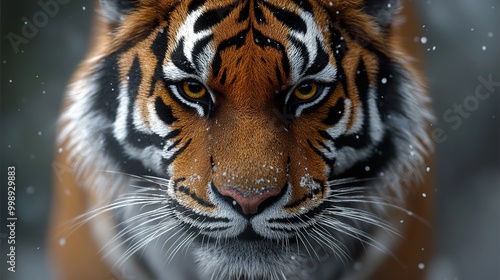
column 157, row 162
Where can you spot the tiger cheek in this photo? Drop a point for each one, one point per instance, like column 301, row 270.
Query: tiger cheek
column 307, row 178
column 192, row 169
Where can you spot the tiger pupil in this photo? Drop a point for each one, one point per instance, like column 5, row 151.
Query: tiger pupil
column 194, row 87
column 306, row 89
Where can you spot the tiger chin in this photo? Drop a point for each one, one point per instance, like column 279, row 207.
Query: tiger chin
column 244, row 139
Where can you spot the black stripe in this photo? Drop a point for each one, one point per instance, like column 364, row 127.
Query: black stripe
column 339, row 48
column 288, row 18
column 337, row 44
column 320, row 62
column 301, row 47
column 211, row 18
column 278, row 75
column 159, row 49
column 389, row 97
column 264, row 41
column 188, row 212
column 361, row 139
column 167, row 161
column 223, row 77
column 185, row 190
column 383, row 153
column 311, row 215
column 304, row 5
column 195, row 5
column 245, row 12
column 324, row 146
column 329, row 162
column 236, row 41
column 174, row 145
column 164, row 112
column 108, row 81
column 198, row 48
column 113, row 149
column 180, row 60
column 335, row 113
column 259, row 15
column 134, row 137
column 172, row 134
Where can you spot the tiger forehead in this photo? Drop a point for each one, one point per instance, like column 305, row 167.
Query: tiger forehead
column 258, row 38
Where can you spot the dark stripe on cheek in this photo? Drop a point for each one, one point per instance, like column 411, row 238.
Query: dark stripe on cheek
column 134, row 137
column 329, row 162
column 361, row 139
column 164, row 112
column 389, row 96
column 337, row 44
column 335, row 113
column 278, row 75
column 113, row 149
column 382, row 154
column 167, row 161
column 223, row 77
column 108, row 81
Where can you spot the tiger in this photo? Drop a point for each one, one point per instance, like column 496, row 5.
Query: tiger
column 245, row 139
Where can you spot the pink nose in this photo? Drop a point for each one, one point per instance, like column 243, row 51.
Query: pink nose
column 250, row 202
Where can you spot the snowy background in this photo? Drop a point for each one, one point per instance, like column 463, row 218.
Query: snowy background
column 461, row 46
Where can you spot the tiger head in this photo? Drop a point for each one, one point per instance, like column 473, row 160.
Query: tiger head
column 247, row 132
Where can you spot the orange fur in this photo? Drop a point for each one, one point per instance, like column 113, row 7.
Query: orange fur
column 244, row 126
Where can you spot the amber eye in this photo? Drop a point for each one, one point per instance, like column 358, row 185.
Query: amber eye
column 306, row 91
column 193, row 89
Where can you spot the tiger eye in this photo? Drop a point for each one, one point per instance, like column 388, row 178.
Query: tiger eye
column 193, row 89
column 306, row 91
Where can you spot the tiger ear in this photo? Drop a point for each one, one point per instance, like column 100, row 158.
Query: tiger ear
column 114, row 10
column 383, row 11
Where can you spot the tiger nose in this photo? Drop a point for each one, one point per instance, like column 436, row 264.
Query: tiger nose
column 249, row 203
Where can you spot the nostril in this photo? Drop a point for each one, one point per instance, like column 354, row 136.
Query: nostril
column 249, row 203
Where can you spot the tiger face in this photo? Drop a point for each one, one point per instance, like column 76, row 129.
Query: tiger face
column 254, row 135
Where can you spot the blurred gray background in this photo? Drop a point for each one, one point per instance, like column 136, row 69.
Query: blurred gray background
column 462, row 50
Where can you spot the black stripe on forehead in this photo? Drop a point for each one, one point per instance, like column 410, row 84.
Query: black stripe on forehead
column 259, row 15
column 180, row 60
column 195, row 5
column 198, row 49
column 321, row 60
column 211, row 18
column 302, row 49
column 236, row 41
column 288, row 18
